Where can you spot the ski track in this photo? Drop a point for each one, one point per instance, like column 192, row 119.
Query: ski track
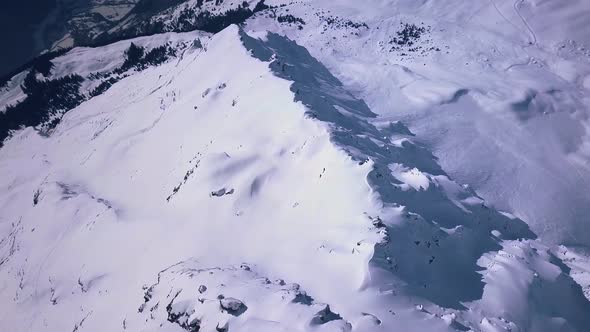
column 526, row 24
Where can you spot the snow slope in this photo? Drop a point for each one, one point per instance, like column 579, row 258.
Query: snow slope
column 498, row 90
column 241, row 186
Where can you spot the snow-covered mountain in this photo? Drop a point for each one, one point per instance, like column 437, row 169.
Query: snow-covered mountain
column 32, row 27
column 322, row 166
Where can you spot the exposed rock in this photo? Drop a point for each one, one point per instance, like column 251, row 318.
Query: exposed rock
column 324, row 316
column 222, row 192
column 233, row 306
column 302, row 298
column 222, row 327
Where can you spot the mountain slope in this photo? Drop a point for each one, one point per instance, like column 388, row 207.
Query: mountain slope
column 323, row 167
column 498, row 90
column 224, row 169
column 29, row 28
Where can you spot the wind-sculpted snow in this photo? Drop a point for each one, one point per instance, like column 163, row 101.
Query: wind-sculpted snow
column 497, row 91
column 435, row 247
column 418, row 249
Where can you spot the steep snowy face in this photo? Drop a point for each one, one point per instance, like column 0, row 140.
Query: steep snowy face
column 435, row 249
column 498, row 90
column 198, row 163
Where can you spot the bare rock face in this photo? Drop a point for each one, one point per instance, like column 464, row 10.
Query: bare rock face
column 222, row 327
column 324, row 316
column 233, row 306
column 222, row 192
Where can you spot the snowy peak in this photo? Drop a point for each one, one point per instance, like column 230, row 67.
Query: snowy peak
column 202, row 180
